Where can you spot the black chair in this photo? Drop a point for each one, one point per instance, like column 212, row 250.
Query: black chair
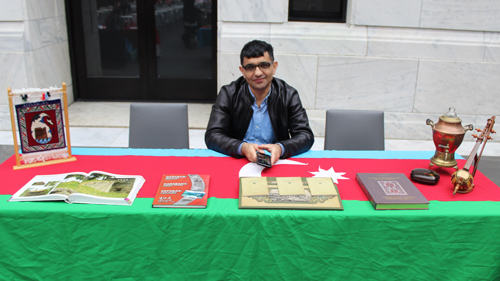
column 158, row 125
column 354, row 130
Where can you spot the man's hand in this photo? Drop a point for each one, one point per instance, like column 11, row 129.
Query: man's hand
column 275, row 150
column 249, row 150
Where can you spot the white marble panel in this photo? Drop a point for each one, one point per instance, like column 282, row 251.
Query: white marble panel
column 59, row 55
column 253, row 11
column 60, row 8
column 11, row 36
column 317, row 121
column 366, row 83
column 219, row 24
column 48, row 29
column 198, row 115
column 319, row 143
column 228, row 69
column 318, row 39
column 5, row 124
column 395, row 13
column 99, row 137
column 32, row 39
column 409, row 126
column 197, row 139
column 300, row 72
column 39, row 9
column 62, row 31
column 408, row 145
column 425, row 43
column 104, row 114
column 350, row 13
column 12, row 74
column 11, row 10
column 492, row 42
column 48, row 66
column 481, row 15
column 70, row 94
column 412, row 126
column 233, row 36
column 41, row 33
column 470, row 87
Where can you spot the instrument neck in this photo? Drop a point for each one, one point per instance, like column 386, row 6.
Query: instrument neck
column 470, row 159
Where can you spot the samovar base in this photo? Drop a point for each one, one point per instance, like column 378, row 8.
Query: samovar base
column 445, row 160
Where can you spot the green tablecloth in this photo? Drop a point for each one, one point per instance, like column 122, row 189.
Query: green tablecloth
column 59, row 241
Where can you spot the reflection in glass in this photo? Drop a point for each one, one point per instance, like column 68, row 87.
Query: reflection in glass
column 110, row 37
column 183, row 38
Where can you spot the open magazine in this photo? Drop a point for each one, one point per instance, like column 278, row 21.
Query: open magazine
column 94, row 188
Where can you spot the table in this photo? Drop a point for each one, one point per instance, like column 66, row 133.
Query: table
column 453, row 240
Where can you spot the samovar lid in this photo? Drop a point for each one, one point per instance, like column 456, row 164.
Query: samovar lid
column 451, row 116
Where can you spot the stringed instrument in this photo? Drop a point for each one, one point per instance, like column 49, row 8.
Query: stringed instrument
column 463, row 179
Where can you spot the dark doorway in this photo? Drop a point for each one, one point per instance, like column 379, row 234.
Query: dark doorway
column 143, row 50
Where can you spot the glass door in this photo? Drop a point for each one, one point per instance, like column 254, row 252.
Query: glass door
column 143, row 50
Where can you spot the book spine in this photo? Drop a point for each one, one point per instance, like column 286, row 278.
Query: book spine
column 367, row 193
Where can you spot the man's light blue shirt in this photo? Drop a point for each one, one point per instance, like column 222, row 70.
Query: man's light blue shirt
column 260, row 130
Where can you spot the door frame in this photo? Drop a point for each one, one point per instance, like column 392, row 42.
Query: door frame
column 146, row 87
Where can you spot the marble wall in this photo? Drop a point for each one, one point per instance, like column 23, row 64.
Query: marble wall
column 413, row 59
column 478, row 15
column 34, row 47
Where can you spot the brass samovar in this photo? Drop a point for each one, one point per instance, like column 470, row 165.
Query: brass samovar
column 447, row 134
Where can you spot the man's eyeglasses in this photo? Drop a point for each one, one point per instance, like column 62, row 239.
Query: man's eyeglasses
column 262, row 66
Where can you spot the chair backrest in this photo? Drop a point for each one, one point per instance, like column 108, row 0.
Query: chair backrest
column 158, row 125
column 354, row 130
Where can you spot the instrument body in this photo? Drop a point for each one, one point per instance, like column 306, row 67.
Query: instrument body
column 463, row 179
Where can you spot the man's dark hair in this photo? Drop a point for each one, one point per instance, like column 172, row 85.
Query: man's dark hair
column 255, row 49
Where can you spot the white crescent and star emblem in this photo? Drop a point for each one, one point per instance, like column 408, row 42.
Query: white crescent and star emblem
column 330, row 173
column 254, row 170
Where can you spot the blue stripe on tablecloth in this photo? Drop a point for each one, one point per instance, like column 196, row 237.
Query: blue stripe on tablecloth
column 211, row 153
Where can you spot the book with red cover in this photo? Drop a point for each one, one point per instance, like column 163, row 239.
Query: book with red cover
column 182, row 191
column 391, row 191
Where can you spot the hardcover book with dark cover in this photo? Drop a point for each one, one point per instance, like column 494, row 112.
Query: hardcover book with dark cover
column 391, row 191
column 182, row 191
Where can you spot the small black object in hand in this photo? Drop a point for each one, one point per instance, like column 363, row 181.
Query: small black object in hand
column 264, row 160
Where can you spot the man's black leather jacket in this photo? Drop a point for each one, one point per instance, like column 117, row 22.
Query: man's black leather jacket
column 232, row 112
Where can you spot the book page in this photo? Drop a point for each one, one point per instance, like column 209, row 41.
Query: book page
column 104, row 188
column 254, row 186
column 42, row 187
column 290, row 186
column 321, row 186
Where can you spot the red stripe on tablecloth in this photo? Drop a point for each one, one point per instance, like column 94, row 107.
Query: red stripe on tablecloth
column 224, row 174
